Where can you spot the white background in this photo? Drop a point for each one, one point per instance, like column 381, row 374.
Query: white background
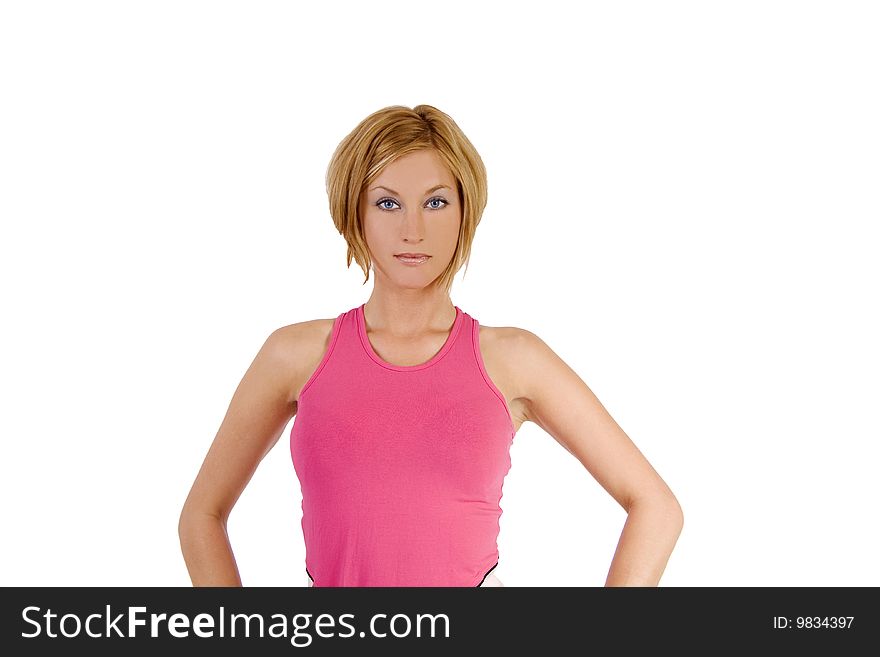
column 681, row 204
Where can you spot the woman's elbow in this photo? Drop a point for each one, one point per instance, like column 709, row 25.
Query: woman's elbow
column 673, row 512
column 666, row 505
column 192, row 521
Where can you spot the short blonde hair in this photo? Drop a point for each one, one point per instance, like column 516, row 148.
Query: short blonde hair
column 381, row 138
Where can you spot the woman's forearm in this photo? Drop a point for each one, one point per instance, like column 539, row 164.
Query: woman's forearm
column 206, row 550
column 649, row 535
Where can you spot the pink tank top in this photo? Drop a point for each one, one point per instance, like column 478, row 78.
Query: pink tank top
column 401, row 467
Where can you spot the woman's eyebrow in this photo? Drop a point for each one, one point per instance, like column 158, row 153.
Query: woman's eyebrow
column 388, row 189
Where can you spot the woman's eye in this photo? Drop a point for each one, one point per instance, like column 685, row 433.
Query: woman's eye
column 381, row 203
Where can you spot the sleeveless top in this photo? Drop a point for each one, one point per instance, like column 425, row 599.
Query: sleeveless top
column 401, row 467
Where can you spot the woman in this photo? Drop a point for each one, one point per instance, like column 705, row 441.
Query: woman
column 406, row 407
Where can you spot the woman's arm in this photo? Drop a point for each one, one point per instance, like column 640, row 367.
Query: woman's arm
column 650, row 532
column 563, row 405
column 260, row 409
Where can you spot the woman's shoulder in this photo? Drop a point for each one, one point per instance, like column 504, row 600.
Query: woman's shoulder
column 514, row 349
column 504, row 346
column 306, row 328
column 504, row 338
column 303, row 345
column 304, row 335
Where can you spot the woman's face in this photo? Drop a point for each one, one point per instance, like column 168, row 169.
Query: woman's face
column 411, row 207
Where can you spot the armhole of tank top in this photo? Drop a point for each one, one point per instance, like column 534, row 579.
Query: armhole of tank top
column 334, row 335
column 475, row 343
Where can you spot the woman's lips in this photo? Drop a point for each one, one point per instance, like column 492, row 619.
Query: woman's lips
column 413, row 262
